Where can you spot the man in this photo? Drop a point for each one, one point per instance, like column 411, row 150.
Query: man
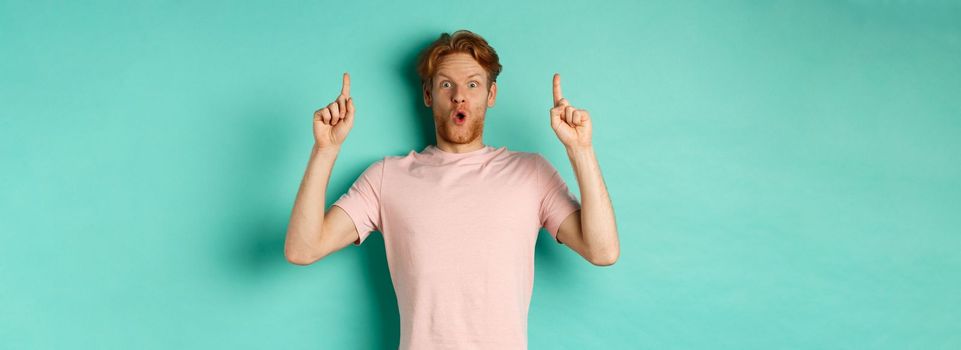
column 460, row 218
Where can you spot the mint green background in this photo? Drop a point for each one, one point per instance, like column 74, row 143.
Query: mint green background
column 785, row 174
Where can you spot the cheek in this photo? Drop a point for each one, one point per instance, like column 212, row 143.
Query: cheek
column 441, row 97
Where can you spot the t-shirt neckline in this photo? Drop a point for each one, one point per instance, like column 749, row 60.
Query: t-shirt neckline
column 435, row 152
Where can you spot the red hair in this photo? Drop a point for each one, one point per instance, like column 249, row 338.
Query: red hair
column 461, row 41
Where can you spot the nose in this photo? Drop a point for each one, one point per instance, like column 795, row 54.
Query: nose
column 458, row 96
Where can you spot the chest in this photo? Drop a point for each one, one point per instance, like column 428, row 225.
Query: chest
column 461, row 217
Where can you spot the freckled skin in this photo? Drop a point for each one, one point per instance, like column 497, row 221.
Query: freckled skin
column 455, row 84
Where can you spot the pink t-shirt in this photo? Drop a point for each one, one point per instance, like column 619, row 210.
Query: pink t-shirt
column 459, row 231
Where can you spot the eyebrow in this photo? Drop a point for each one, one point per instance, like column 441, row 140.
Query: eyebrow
column 469, row 76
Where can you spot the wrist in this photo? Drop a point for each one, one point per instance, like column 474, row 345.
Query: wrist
column 579, row 149
column 330, row 149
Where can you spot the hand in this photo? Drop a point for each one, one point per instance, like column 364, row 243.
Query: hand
column 332, row 123
column 572, row 125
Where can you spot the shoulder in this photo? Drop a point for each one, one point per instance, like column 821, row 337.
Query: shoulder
column 375, row 169
column 408, row 157
column 531, row 159
column 389, row 159
column 520, row 156
column 531, row 163
column 387, row 162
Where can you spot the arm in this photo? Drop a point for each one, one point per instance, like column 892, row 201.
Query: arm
column 592, row 230
column 311, row 233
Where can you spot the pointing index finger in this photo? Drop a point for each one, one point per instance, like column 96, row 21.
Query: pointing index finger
column 557, row 89
column 345, row 88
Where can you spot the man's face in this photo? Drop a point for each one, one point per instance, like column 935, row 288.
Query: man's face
column 459, row 97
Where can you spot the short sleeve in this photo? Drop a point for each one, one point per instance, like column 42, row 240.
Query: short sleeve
column 362, row 201
column 557, row 201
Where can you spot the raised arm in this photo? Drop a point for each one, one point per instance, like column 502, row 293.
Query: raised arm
column 591, row 231
column 313, row 233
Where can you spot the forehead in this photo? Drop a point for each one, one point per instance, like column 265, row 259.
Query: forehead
column 459, row 65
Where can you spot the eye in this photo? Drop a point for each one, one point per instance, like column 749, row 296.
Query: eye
column 473, row 84
column 445, row 84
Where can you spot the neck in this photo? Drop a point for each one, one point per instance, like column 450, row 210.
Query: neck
column 447, row 146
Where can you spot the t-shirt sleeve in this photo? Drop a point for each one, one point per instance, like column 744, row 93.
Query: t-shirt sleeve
column 557, row 201
column 362, row 201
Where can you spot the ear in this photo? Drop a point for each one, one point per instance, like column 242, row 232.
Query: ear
column 492, row 95
column 426, row 91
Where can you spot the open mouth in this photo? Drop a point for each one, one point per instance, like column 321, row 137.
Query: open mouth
column 459, row 117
